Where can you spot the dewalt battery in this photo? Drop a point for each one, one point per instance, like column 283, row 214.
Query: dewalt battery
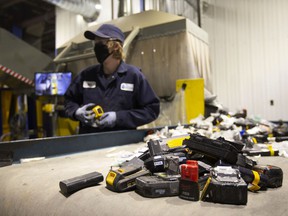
column 123, row 179
column 98, row 111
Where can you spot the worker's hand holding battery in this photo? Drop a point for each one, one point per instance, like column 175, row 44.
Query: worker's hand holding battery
column 95, row 116
column 85, row 114
column 108, row 119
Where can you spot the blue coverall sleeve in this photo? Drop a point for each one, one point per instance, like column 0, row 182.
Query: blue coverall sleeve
column 73, row 98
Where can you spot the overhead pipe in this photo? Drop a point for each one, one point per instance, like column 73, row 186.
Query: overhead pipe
column 89, row 9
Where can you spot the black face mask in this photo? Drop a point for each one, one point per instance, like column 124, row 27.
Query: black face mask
column 101, row 52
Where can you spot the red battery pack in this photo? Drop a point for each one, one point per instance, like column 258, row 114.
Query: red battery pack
column 189, row 171
column 188, row 184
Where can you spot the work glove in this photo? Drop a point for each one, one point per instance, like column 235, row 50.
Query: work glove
column 108, row 119
column 85, row 114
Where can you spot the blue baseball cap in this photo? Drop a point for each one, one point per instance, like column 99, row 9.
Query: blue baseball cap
column 106, row 31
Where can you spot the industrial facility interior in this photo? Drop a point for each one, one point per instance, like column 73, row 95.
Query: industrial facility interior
column 219, row 68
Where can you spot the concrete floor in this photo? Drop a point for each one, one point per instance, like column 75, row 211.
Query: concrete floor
column 33, row 189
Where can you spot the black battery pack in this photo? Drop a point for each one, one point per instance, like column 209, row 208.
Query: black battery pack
column 189, row 190
column 226, row 186
column 274, row 174
column 154, row 147
column 72, row 185
column 259, row 180
column 219, row 148
column 123, row 179
column 245, row 162
column 156, row 163
column 153, row 187
column 261, row 151
column 160, row 163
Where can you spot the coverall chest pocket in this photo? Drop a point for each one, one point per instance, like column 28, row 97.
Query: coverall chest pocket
column 126, row 99
column 91, row 95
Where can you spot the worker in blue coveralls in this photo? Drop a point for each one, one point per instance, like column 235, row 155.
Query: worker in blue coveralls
column 126, row 97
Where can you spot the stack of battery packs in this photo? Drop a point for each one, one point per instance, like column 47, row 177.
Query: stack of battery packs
column 201, row 169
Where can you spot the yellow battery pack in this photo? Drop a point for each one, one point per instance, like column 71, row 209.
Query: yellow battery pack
column 98, row 111
column 123, row 179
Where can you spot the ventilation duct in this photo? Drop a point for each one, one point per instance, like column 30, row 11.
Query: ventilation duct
column 89, row 9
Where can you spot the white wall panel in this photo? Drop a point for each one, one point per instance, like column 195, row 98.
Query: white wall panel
column 69, row 24
column 249, row 54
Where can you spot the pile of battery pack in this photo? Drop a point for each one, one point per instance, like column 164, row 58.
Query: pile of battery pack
column 208, row 160
column 200, row 169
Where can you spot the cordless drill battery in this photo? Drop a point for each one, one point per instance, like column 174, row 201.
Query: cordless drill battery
column 72, row 185
column 155, row 186
column 98, row 111
column 123, row 179
column 274, row 174
column 188, row 185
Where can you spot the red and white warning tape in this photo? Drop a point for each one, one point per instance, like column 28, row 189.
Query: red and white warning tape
column 16, row 75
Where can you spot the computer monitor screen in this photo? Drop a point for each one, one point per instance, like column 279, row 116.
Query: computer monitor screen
column 52, row 83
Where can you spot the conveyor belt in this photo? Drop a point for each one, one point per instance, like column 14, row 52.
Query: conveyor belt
column 51, row 146
column 32, row 189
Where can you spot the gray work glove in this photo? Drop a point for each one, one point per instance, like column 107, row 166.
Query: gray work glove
column 85, row 114
column 108, row 119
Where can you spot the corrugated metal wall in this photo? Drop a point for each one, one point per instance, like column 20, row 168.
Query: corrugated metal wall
column 249, row 54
